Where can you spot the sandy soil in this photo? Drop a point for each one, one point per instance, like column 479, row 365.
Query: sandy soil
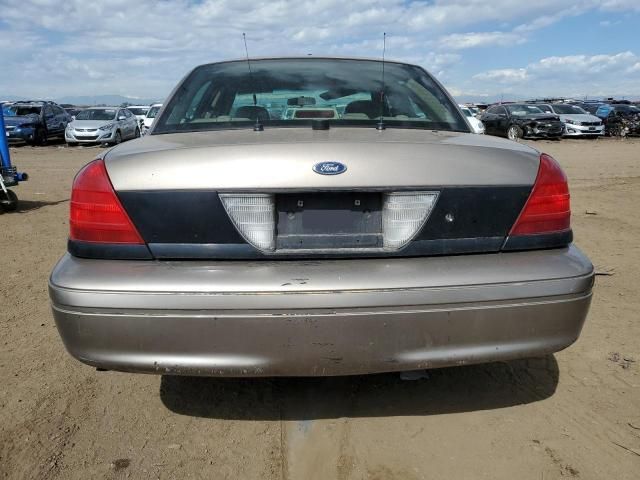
column 575, row 414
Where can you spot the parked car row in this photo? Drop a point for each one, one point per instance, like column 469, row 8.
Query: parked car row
column 536, row 119
column 34, row 122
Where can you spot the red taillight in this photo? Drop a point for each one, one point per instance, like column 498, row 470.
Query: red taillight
column 96, row 213
column 547, row 210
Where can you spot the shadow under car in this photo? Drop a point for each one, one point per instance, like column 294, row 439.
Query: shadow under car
column 446, row 390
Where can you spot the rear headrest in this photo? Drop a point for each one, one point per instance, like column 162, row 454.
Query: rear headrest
column 368, row 107
column 252, row 112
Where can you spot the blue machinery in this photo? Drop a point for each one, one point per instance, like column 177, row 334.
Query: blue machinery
column 9, row 176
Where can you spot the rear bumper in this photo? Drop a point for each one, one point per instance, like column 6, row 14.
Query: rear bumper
column 319, row 318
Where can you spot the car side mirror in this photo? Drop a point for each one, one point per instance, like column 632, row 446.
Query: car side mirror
column 122, row 117
column 73, row 117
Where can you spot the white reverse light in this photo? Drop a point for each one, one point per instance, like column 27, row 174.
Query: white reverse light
column 403, row 214
column 254, row 215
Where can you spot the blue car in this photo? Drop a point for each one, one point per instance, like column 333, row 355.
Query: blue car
column 613, row 114
column 34, row 122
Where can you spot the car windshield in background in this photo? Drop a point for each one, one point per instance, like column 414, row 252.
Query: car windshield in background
column 519, row 110
column 153, row 111
column 138, row 111
column 21, row 111
column 96, row 114
column 568, row 109
column 290, row 92
column 627, row 109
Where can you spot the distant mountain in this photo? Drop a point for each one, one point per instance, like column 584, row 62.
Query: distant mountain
column 9, row 98
column 106, row 100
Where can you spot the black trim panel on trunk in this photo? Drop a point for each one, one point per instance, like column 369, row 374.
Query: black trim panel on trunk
column 176, row 216
column 465, row 212
column 536, row 242
column 111, row 251
column 199, row 216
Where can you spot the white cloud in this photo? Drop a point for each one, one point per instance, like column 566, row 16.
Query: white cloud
column 504, row 75
column 460, row 41
column 570, row 75
column 145, row 46
column 621, row 5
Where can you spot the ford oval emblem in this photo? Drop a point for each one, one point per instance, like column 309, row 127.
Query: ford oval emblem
column 329, row 168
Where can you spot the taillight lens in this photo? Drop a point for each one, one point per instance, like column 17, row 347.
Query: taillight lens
column 254, row 215
column 96, row 213
column 547, row 210
column 403, row 214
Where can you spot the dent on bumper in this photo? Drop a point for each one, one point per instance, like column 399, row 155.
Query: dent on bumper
column 319, row 318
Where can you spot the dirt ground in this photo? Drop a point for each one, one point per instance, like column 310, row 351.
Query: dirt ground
column 575, row 414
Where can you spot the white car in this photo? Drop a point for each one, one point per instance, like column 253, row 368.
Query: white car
column 150, row 116
column 476, row 125
column 140, row 111
column 577, row 122
column 104, row 125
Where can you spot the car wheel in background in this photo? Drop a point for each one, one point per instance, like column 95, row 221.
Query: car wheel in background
column 514, row 133
column 137, row 134
column 118, row 138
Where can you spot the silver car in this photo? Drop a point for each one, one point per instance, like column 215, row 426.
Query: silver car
column 232, row 241
column 107, row 125
column 577, row 122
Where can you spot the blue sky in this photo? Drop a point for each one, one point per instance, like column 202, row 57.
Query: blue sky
column 480, row 49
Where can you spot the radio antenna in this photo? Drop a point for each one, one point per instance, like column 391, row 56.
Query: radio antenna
column 257, row 127
column 380, row 125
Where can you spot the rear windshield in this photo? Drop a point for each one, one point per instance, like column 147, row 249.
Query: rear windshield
column 96, row 114
column 627, row 109
column 153, row 111
column 138, row 111
column 568, row 109
column 290, row 92
column 519, row 110
column 21, row 110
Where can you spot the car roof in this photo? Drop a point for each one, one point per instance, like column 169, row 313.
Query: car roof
column 311, row 57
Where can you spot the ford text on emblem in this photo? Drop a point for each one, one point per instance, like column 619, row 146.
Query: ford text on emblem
column 329, row 168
